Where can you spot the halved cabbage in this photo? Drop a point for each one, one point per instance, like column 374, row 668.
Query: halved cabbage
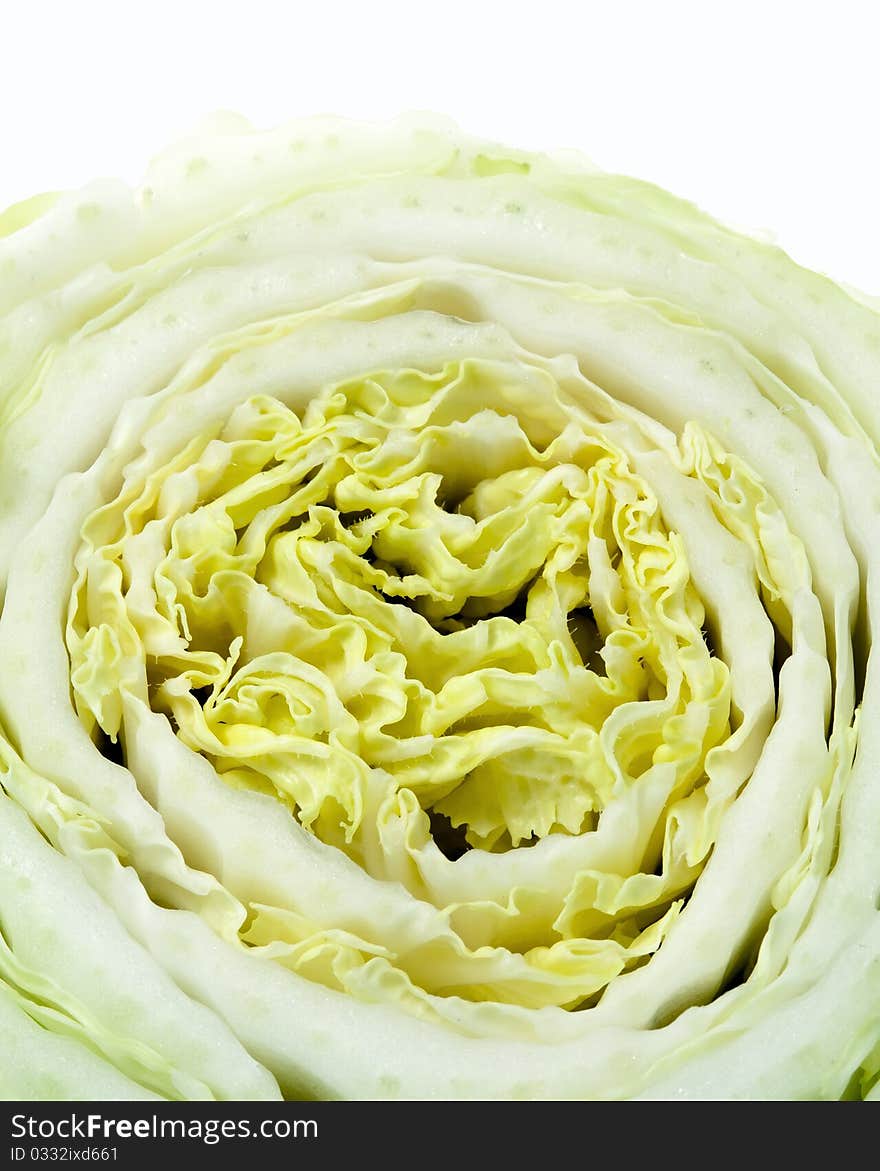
column 439, row 586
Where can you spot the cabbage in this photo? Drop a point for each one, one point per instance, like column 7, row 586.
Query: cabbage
column 439, row 586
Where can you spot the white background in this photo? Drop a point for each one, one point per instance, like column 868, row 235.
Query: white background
column 768, row 115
